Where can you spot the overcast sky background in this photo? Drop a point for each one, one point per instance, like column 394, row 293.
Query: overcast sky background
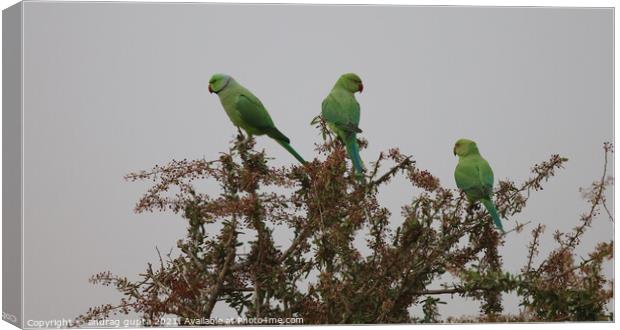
column 117, row 87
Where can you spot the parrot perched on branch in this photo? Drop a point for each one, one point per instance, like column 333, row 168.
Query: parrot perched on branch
column 342, row 114
column 474, row 176
column 246, row 111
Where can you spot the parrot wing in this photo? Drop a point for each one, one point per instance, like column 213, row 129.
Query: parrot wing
column 334, row 112
column 254, row 114
column 485, row 175
column 472, row 177
column 355, row 114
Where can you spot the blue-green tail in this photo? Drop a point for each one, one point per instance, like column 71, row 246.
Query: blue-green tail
column 493, row 212
column 353, row 150
column 292, row 151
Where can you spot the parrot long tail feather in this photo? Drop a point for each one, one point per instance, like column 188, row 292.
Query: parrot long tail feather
column 493, row 212
column 353, row 151
column 292, row 151
column 275, row 134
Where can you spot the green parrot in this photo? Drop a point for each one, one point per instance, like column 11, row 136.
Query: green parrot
column 474, row 176
column 342, row 114
column 246, row 111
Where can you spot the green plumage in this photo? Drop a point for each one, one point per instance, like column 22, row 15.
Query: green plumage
column 342, row 114
column 474, row 176
column 246, row 111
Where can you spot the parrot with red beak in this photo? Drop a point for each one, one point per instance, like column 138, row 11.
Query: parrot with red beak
column 342, row 113
column 246, row 111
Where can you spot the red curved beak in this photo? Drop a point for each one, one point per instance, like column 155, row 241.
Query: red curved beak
column 210, row 89
column 361, row 87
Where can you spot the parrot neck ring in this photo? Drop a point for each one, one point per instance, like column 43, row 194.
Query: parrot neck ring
column 219, row 90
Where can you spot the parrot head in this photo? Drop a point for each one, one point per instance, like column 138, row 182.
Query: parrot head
column 351, row 82
column 465, row 147
column 218, row 82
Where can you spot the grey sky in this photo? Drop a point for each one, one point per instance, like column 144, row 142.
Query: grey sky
column 116, row 87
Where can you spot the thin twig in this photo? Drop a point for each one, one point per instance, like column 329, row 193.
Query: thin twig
column 230, row 256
